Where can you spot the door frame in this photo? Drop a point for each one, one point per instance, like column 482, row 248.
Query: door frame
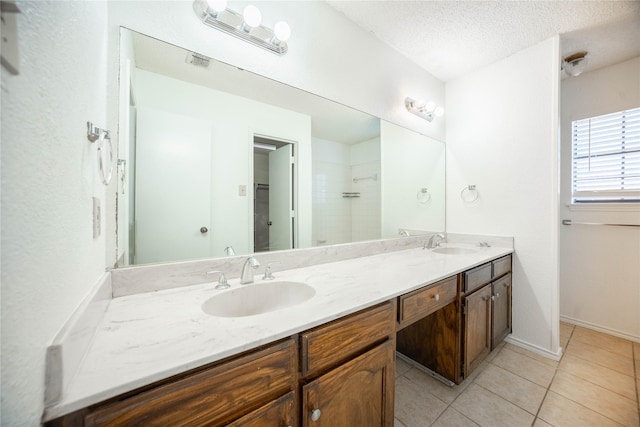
column 253, row 133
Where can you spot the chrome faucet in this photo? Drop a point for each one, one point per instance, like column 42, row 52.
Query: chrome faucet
column 434, row 241
column 247, row 270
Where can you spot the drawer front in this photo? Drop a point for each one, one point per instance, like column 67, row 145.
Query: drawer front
column 501, row 266
column 422, row 302
column 477, row 277
column 214, row 396
column 342, row 339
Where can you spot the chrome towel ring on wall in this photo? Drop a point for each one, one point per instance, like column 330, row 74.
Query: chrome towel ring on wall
column 95, row 134
column 423, row 196
column 469, row 194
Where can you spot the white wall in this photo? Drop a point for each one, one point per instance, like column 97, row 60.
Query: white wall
column 234, row 120
column 502, row 126
column 69, row 74
column 49, row 176
column 599, row 266
column 403, row 177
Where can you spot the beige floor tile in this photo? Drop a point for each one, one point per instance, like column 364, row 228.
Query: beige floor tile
column 608, row 342
column 488, row 409
column 495, row 351
column 525, row 367
column 541, row 423
column 636, row 351
column 601, row 400
column 453, row 418
column 402, row 367
column 608, row 378
column 601, row 356
column 437, row 388
column 515, row 389
column 531, row 354
column 564, row 340
column 415, row 406
column 559, row 411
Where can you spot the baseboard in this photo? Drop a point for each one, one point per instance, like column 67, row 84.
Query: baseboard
column 534, row 348
column 598, row 328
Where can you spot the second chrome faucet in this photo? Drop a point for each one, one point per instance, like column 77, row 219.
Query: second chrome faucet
column 247, row 270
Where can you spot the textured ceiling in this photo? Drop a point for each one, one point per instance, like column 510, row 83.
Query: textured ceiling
column 452, row 38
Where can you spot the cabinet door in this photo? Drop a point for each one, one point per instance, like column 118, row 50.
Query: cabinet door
column 477, row 328
column 501, row 310
column 356, row 394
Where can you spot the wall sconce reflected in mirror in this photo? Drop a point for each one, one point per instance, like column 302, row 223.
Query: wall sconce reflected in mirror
column 246, row 25
column 425, row 110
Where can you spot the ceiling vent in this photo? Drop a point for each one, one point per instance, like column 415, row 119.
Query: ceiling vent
column 198, row 60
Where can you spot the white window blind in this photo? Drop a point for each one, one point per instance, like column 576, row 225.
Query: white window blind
column 606, row 158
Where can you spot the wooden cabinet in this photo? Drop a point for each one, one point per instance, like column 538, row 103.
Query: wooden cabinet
column 345, row 370
column 357, row 393
column 429, row 328
column 348, row 369
column 477, row 328
column 501, row 309
column 486, row 314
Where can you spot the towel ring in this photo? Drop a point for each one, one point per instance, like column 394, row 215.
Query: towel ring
column 95, row 134
column 423, row 196
column 469, row 194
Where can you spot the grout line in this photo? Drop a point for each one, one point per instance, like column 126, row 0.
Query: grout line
column 546, row 393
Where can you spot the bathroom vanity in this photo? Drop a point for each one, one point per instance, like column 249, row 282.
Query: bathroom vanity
column 157, row 359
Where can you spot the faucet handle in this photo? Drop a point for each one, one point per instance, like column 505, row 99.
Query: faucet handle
column 222, row 280
column 268, row 274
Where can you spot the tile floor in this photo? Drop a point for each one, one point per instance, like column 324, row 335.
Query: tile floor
column 596, row 383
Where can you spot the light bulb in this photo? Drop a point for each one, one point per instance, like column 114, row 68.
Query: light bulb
column 418, row 104
column 430, row 106
column 252, row 16
column 217, row 5
column 439, row 111
column 282, row 31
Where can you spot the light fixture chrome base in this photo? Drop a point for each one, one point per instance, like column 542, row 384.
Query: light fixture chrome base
column 231, row 22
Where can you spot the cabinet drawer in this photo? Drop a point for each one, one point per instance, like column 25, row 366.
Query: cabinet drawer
column 214, row 396
column 342, row 339
column 477, row 277
column 422, row 302
column 501, row 266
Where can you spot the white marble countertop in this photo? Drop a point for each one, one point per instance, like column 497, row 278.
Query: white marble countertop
column 147, row 337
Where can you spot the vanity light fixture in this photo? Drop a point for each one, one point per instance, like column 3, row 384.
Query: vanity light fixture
column 425, row 110
column 246, row 25
column 575, row 63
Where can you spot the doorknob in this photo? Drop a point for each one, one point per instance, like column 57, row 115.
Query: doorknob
column 204, row 230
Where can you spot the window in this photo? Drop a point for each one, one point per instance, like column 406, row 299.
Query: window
column 606, row 158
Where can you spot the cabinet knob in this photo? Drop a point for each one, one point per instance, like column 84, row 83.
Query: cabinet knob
column 315, row 414
column 493, row 298
column 204, row 230
column 436, row 297
column 497, row 294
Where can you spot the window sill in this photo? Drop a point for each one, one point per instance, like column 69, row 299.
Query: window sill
column 605, row 207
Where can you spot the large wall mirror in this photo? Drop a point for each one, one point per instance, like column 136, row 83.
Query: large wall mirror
column 214, row 160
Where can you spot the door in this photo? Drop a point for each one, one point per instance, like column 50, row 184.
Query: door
column 281, row 198
column 501, row 310
column 356, row 394
column 477, row 328
column 172, row 202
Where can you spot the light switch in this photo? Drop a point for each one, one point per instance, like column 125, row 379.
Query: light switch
column 242, row 190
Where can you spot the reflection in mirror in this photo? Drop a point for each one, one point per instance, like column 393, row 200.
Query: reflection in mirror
column 216, row 157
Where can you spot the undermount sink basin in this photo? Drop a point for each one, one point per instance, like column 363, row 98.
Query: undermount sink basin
column 258, row 298
column 450, row 249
